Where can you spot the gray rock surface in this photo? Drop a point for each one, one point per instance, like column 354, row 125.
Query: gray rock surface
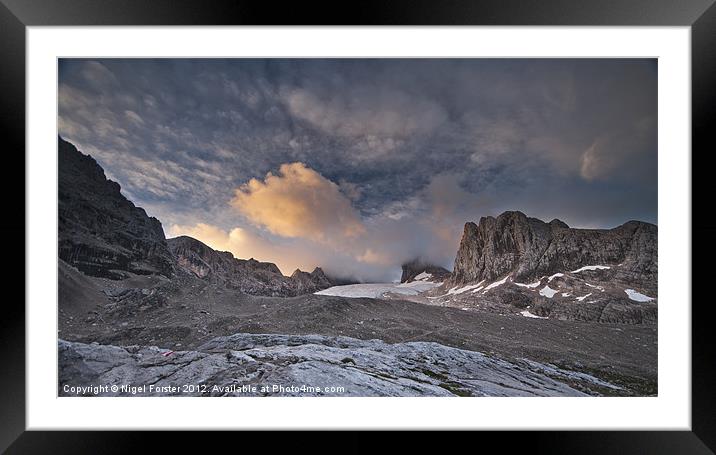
column 284, row 363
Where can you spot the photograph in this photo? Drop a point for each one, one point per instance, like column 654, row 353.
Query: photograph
column 357, row 227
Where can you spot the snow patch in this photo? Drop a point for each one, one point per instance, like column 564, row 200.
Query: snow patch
column 556, row 275
column 457, row 290
column 581, row 299
column 531, row 285
column 527, row 314
column 566, row 294
column 547, row 292
column 591, row 267
column 595, row 286
column 639, row 297
column 496, row 283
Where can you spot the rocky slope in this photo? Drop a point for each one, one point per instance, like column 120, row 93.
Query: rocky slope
column 100, row 231
column 421, row 268
column 516, row 264
column 247, row 275
column 311, row 365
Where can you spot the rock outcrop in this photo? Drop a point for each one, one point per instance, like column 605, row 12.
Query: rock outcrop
column 101, row 233
column 528, row 248
column 246, row 275
column 515, row 264
column 419, row 266
column 280, row 365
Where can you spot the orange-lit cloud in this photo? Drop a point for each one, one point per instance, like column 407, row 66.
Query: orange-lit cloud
column 299, row 203
column 309, row 222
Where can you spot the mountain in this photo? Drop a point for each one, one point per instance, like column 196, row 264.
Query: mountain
column 308, row 283
column 101, row 233
column 528, row 248
column 513, row 263
column 246, row 275
column 418, row 266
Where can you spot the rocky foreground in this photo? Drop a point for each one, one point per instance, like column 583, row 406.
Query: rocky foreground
column 309, row 365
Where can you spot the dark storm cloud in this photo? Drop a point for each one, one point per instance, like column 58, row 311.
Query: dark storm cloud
column 418, row 147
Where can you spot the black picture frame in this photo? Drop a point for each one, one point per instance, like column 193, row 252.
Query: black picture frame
column 700, row 15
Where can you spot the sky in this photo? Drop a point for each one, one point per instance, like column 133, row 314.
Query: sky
column 358, row 165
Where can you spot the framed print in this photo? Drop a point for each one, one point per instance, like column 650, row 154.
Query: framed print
column 453, row 217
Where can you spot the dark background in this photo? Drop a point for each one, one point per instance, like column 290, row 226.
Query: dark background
column 15, row 15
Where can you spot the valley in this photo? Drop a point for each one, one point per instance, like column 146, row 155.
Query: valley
column 530, row 309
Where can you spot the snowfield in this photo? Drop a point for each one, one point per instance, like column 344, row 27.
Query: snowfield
column 637, row 296
column 547, row 292
column 377, row 290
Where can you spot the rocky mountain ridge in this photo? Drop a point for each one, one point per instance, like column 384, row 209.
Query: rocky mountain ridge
column 528, row 248
column 515, row 264
column 103, row 234
column 247, row 275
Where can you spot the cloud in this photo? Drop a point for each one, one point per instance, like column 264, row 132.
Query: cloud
column 98, row 75
column 396, row 154
column 298, row 202
column 373, row 112
column 134, row 117
column 305, row 216
column 623, row 153
column 290, row 254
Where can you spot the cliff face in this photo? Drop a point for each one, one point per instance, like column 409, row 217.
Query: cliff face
column 249, row 276
column 102, row 233
column 528, row 248
column 515, row 264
